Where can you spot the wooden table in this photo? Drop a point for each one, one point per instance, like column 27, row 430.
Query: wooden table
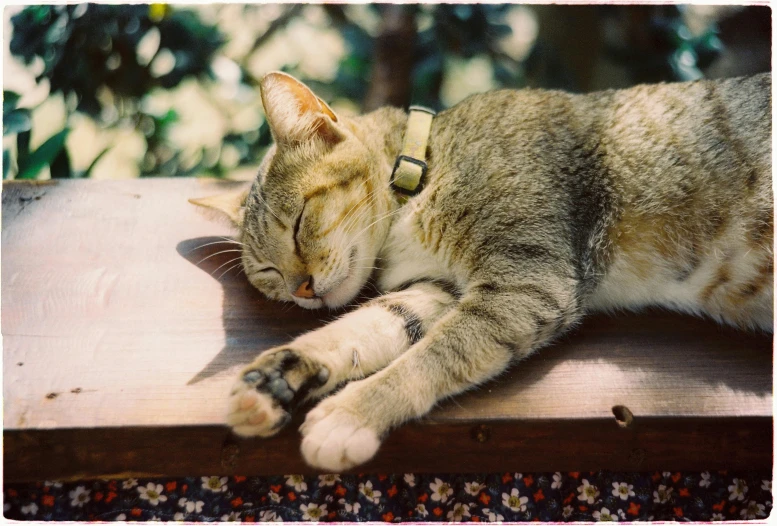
column 120, row 345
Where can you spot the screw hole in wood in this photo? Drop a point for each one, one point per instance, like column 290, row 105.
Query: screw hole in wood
column 623, row 416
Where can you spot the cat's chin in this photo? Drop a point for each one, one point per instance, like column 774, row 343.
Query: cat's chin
column 313, row 303
column 332, row 300
column 344, row 293
column 347, row 291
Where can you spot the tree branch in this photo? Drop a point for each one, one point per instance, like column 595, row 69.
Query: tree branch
column 276, row 24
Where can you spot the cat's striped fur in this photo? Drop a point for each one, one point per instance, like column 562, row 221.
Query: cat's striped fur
column 539, row 207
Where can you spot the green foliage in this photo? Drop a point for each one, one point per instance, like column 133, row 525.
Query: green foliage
column 15, row 120
column 48, row 153
column 91, row 53
column 9, row 101
column 354, row 72
column 459, row 30
column 674, row 53
column 86, row 47
column 6, row 163
column 469, row 30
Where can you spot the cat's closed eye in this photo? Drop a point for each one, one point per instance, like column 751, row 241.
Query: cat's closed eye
column 269, row 269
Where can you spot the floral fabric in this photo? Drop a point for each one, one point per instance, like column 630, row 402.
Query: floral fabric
column 575, row 496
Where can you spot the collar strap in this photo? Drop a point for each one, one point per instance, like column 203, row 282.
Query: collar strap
column 410, row 168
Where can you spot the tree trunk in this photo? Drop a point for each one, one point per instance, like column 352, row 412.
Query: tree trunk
column 393, row 65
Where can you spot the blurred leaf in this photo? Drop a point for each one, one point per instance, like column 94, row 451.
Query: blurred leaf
column 44, row 155
column 708, row 48
column 684, row 64
column 22, row 148
column 89, row 47
column 158, row 11
column 17, row 121
column 167, row 119
column 9, row 100
column 88, row 171
column 6, row 163
column 60, row 167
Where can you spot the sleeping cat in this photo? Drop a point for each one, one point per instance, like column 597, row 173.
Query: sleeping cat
column 524, row 210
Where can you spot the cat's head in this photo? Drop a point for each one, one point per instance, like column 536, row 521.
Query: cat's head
column 310, row 226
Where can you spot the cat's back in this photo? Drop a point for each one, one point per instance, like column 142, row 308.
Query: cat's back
column 707, row 134
column 690, row 165
column 662, row 193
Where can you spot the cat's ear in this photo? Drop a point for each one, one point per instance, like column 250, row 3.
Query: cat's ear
column 295, row 114
column 230, row 206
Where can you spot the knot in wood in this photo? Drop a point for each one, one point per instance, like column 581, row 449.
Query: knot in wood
column 637, row 456
column 229, row 453
column 481, row 433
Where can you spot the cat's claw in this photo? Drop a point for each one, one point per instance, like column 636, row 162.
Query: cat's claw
column 267, row 391
column 335, row 440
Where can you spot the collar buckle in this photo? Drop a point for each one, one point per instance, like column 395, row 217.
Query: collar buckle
column 409, row 174
column 396, row 184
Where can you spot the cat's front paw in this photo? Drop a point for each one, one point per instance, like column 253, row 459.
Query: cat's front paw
column 268, row 390
column 335, row 439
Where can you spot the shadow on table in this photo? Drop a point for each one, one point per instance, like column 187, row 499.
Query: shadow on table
column 675, row 347
column 252, row 323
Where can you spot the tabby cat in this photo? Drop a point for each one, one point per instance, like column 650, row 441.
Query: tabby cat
column 537, row 207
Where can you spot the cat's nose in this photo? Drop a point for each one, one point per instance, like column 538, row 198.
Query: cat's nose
column 305, row 289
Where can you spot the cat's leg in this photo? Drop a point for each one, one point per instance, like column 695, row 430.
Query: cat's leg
column 491, row 326
column 352, row 347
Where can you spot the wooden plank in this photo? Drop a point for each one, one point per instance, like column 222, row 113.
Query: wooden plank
column 519, row 445
column 120, row 345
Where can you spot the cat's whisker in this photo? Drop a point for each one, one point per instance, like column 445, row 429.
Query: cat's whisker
column 367, row 258
column 230, row 268
column 367, row 197
column 217, row 253
column 357, row 364
column 341, row 239
column 357, row 204
column 355, row 219
column 211, row 243
column 223, row 264
column 453, row 399
column 233, row 240
column 364, row 212
column 363, row 207
column 362, row 231
column 266, row 205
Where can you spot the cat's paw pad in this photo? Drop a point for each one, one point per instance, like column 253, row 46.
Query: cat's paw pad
column 335, row 440
column 267, row 391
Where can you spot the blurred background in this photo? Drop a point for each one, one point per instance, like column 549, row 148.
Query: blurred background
column 123, row 91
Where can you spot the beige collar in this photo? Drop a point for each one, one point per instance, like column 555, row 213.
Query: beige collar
column 410, row 168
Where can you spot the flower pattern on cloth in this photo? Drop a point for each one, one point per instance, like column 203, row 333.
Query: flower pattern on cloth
column 514, row 501
column 214, row 484
column 588, row 492
column 604, row 515
column 440, row 490
column 79, row 496
column 738, row 489
column 622, row 490
column 405, row 497
column 152, row 493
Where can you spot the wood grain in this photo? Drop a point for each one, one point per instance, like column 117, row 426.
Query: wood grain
column 120, row 344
